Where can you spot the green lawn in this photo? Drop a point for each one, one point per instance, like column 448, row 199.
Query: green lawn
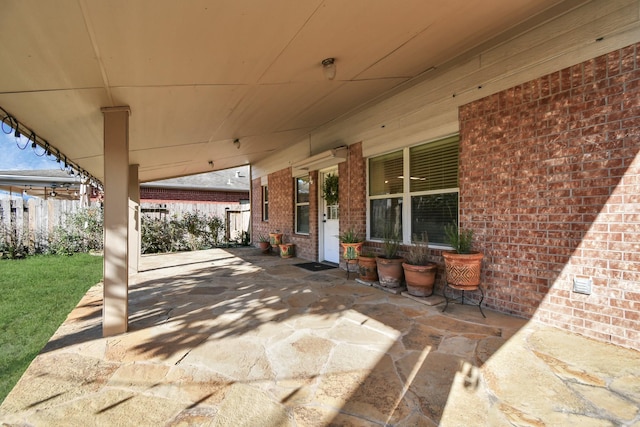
column 36, row 295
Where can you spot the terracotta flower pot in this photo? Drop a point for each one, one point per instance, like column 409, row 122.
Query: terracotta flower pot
column 265, row 247
column 367, row 268
column 351, row 250
column 390, row 272
column 463, row 270
column 420, row 278
column 287, row 250
column 275, row 239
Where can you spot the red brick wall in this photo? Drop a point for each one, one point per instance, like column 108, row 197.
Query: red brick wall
column 281, row 204
column 282, row 212
column 550, row 182
column 163, row 195
column 353, row 191
column 259, row 227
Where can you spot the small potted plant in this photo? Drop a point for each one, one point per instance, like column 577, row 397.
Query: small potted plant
column 389, row 264
column 287, row 250
column 264, row 244
column 351, row 244
column 462, row 265
column 419, row 272
column 275, row 239
column 367, row 267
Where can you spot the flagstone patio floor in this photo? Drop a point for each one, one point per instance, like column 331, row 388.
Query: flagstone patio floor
column 236, row 338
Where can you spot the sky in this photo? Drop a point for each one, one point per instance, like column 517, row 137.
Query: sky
column 12, row 158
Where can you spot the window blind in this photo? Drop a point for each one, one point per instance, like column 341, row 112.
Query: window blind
column 385, row 174
column 434, row 166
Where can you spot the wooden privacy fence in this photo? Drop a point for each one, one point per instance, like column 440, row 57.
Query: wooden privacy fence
column 38, row 217
column 35, row 217
column 236, row 216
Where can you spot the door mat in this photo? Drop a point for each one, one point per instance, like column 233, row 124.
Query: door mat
column 314, row 266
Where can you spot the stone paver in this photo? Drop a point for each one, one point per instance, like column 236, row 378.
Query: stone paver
column 236, row 338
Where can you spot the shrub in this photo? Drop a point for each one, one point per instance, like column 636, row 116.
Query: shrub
column 81, row 231
column 155, row 236
column 193, row 231
column 216, row 228
column 195, row 226
column 13, row 244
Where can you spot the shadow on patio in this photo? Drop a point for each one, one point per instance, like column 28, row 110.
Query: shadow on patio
column 232, row 337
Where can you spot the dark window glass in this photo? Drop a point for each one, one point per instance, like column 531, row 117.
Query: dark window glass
column 386, row 216
column 431, row 213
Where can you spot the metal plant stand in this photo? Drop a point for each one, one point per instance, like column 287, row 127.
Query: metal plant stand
column 460, row 288
column 351, row 262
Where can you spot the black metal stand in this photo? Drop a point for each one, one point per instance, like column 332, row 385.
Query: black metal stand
column 457, row 288
column 351, row 261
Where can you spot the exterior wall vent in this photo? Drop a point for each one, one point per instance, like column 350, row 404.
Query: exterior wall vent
column 582, row 285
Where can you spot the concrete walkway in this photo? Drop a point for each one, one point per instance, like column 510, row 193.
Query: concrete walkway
column 236, row 338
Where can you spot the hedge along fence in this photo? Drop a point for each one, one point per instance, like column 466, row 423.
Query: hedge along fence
column 236, row 216
column 64, row 226
column 27, row 225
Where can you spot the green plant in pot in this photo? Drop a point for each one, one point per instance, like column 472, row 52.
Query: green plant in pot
column 264, row 243
column 351, row 244
column 419, row 271
column 287, row 250
column 367, row 267
column 275, row 239
column 463, row 266
column 389, row 264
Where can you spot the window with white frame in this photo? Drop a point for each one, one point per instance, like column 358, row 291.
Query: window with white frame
column 414, row 191
column 265, row 203
column 302, row 205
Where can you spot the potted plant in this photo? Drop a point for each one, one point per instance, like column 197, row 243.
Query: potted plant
column 275, row 239
column 462, row 265
column 264, row 244
column 351, row 244
column 287, row 250
column 389, row 264
column 367, row 267
column 419, row 272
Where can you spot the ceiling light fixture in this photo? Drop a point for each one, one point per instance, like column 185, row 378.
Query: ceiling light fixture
column 329, row 68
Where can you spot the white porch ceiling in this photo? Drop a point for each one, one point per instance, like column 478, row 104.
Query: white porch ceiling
column 197, row 74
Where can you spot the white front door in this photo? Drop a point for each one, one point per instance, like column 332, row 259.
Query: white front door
column 330, row 228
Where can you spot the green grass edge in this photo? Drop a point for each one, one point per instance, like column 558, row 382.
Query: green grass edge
column 36, row 296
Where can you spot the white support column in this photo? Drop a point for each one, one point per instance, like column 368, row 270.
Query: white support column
column 115, row 311
column 135, row 221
